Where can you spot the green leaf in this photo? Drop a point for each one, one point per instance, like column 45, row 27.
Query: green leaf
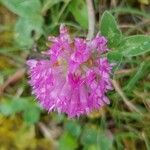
column 31, row 114
column 92, row 136
column 135, row 45
column 109, row 28
column 114, row 56
column 24, row 28
column 140, row 72
column 15, row 105
column 31, row 111
column 126, row 115
column 67, row 142
column 23, row 8
column 124, row 135
column 130, row 10
column 90, row 147
column 89, row 136
column 105, row 142
column 6, row 109
column 19, row 104
column 30, row 20
column 73, row 128
column 79, row 10
column 49, row 3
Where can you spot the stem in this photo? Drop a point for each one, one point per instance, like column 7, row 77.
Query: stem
column 91, row 19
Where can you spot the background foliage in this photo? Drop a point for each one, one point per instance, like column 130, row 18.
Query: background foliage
column 124, row 124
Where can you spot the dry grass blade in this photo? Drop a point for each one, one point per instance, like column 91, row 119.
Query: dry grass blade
column 47, row 133
column 124, row 98
column 91, row 19
column 124, row 71
column 12, row 79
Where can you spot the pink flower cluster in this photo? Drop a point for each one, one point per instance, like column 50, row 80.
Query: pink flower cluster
column 76, row 78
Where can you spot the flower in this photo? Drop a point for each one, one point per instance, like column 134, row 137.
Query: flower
column 76, row 78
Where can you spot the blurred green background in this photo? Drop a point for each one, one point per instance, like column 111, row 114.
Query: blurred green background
column 123, row 125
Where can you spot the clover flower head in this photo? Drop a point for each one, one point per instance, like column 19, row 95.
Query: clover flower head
column 76, row 78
